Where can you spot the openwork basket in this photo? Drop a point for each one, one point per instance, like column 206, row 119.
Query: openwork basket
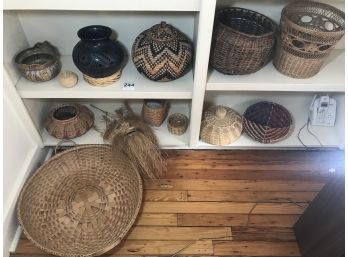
column 309, row 31
column 81, row 202
column 154, row 112
column 177, row 123
column 267, row 122
column 221, row 125
column 243, row 41
column 69, row 121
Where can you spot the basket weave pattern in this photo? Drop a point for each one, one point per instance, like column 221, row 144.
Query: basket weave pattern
column 243, row 41
column 154, row 112
column 177, row 123
column 103, row 82
column 221, row 125
column 309, row 31
column 81, row 202
column 267, row 122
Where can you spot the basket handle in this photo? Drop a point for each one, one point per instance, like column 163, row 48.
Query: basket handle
column 62, row 142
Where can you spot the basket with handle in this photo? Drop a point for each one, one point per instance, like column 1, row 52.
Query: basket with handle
column 81, row 202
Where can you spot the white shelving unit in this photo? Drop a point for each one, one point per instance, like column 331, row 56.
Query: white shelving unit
column 26, row 23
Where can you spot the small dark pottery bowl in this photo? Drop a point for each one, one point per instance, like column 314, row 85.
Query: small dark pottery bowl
column 39, row 63
column 96, row 55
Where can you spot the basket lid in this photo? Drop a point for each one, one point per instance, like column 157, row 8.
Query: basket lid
column 221, row 116
column 163, row 32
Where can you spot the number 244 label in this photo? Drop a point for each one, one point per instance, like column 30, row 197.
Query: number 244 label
column 128, row 86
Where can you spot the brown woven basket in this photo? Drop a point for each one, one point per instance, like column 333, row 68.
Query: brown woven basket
column 267, row 122
column 69, row 121
column 81, row 202
column 309, row 31
column 221, row 125
column 154, row 112
column 243, row 41
column 177, row 123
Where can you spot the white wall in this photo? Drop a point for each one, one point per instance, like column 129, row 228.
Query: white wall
column 21, row 156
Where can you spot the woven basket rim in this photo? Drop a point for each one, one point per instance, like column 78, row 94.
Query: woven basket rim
column 271, row 33
column 181, row 116
column 286, row 19
column 56, row 156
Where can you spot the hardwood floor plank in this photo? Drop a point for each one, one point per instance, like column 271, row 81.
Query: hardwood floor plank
column 247, row 248
column 252, row 185
column 272, row 234
column 177, row 233
column 249, row 196
column 188, row 219
column 222, row 207
column 156, row 219
column 164, row 196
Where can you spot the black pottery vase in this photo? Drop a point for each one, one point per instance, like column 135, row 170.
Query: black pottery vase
column 96, row 55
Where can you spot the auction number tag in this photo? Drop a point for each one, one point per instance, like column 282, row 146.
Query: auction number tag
column 128, row 86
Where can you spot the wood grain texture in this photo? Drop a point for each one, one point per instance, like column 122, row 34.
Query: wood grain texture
column 164, row 196
column 157, row 219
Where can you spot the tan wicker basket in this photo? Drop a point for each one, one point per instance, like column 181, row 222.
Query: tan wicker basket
column 81, row 202
column 309, row 31
column 103, row 82
column 243, row 41
column 154, row 112
column 177, row 123
column 221, row 125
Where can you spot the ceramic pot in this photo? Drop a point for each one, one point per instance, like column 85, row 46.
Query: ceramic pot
column 39, row 63
column 96, row 55
column 69, row 121
column 162, row 53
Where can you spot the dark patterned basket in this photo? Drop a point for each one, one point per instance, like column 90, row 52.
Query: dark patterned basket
column 243, row 41
column 162, row 53
column 309, row 31
column 267, row 122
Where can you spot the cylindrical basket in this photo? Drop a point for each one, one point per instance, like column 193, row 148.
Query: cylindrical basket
column 81, row 202
column 221, row 125
column 243, row 41
column 309, row 31
column 154, row 111
column 177, row 123
column 267, row 122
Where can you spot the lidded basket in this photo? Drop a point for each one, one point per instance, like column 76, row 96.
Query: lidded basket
column 243, row 41
column 309, row 31
column 162, row 53
column 267, row 122
column 81, row 202
column 221, row 125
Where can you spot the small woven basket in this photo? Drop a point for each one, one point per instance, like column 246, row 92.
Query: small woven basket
column 221, row 125
column 81, row 202
column 177, row 123
column 309, row 31
column 154, row 112
column 103, row 82
column 243, row 41
column 267, row 122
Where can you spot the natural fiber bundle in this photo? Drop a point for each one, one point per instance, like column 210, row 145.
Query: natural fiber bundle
column 137, row 140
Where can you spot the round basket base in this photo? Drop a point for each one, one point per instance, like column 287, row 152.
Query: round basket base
column 103, row 82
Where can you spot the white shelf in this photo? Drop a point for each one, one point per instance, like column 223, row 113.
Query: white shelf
column 165, row 138
column 104, row 5
column 144, row 88
column 298, row 107
column 329, row 79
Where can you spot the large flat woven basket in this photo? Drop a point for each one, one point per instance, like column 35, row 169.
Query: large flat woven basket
column 81, row 202
column 267, row 122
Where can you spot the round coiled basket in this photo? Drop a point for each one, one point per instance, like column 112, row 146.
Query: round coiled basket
column 243, row 41
column 81, row 202
column 309, row 31
column 267, row 122
column 221, row 125
column 177, row 123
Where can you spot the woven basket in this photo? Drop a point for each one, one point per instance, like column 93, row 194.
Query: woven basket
column 177, row 123
column 243, row 41
column 154, row 112
column 309, row 31
column 81, row 202
column 162, row 53
column 267, row 122
column 69, row 121
column 221, row 125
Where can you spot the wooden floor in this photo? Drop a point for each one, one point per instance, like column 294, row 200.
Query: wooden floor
column 254, row 196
